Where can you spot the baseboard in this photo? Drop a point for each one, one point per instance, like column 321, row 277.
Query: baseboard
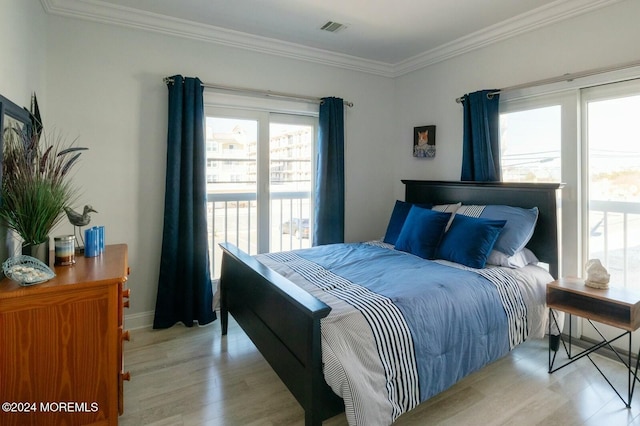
column 139, row 320
column 144, row 320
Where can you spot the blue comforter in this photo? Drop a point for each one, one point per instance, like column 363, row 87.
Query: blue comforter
column 456, row 318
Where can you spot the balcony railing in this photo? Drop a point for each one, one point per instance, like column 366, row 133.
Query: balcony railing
column 233, row 217
column 614, row 238
column 614, row 235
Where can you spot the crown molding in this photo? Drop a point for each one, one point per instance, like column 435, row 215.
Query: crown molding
column 557, row 11
column 107, row 13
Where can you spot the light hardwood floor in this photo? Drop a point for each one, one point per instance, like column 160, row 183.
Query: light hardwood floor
column 194, row 376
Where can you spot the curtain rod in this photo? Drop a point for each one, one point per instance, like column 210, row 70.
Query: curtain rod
column 564, row 77
column 267, row 93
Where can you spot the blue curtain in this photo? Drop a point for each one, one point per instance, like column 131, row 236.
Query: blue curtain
column 329, row 187
column 184, row 287
column 480, row 146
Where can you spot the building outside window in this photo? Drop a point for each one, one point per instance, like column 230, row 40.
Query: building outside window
column 261, row 196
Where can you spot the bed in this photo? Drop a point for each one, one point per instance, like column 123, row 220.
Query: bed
column 283, row 318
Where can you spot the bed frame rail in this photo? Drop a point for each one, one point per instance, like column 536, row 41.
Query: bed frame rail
column 283, row 321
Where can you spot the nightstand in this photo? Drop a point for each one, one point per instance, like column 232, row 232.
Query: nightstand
column 616, row 307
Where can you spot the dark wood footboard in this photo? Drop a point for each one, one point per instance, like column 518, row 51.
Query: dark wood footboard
column 283, row 321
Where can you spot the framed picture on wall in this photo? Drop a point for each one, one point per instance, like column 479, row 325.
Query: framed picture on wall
column 424, row 141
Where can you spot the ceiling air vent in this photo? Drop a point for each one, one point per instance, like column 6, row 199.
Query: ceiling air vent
column 332, row 27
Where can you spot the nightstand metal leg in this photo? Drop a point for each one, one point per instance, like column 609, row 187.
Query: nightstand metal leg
column 605, row 343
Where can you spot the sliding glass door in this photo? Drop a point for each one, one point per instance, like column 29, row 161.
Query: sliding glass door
column 612, row 140
column 259, row 180
column 611, row 186
column 587, row 139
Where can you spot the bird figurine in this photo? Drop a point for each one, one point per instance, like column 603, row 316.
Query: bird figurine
column 78, row 220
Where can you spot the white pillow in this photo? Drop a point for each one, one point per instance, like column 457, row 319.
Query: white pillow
column 446, row 208
column 520, row 259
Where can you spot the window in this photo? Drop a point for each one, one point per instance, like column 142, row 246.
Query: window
column 600, row 165
column 260, row 198
column 530, row 145
column 539, row 143
column 290, row 181
column 599, row 150
column 612, row 179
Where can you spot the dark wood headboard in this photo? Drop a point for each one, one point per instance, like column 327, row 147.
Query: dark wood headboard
column 545, row 241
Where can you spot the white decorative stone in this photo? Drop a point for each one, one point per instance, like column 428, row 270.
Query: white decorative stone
column 597, row 275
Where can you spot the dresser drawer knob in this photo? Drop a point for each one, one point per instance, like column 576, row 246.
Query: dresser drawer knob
column 126, row 376
column 126, row 293
column 126, row 335
column 125, row 304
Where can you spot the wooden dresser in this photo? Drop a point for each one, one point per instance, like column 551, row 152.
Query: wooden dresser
column 61, row 358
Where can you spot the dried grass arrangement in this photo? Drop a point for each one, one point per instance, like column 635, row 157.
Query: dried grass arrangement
column 36, row 185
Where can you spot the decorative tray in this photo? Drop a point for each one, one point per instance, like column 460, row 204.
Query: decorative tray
column 27, row 270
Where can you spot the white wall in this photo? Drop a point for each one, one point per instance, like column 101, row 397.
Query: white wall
column 606, row 37
column 23, row 61
column 602, row 38
column 105, row 87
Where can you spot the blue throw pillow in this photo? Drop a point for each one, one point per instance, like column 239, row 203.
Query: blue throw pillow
column 422, row 232
column 469, row 240
column 398, row 216
column 519, row 227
